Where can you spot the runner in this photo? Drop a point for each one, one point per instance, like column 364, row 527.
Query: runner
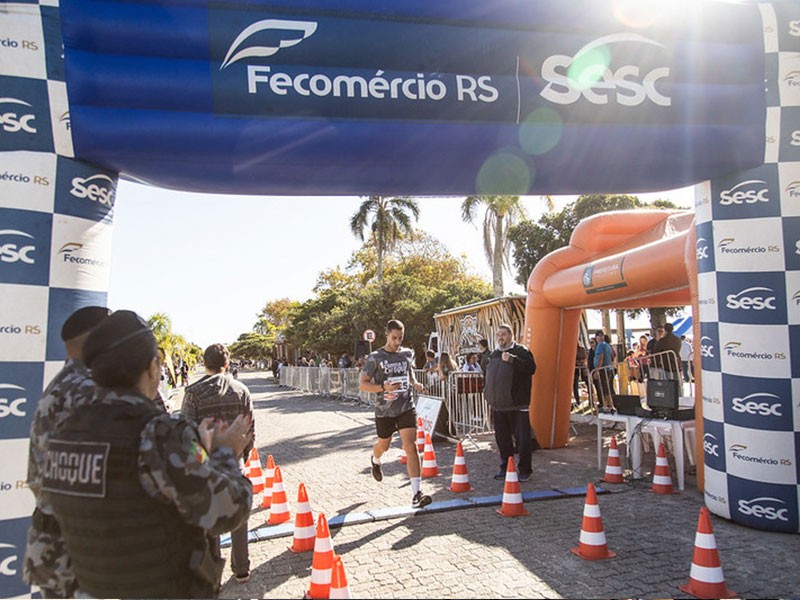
column 388, row 372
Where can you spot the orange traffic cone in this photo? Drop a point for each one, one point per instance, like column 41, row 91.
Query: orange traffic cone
column 592, row 544
column 279, row 511
column 420, row 436
column 256, row 475
column 460, row 479
column 613, row 466
column 403, row 457
column 512, row 495
column 339, row 587
column 322, row 562
column 705, row 577
column 266, row 501
column 662, row 481
column 429, row 466
column 303, row 523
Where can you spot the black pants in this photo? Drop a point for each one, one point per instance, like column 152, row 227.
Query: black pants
column 240, row 559
column 510, row 424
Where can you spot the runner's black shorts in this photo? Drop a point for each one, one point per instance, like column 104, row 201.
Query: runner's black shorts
column 386, row 426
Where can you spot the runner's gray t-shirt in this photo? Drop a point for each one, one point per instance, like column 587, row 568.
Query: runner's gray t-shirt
column 383, row 366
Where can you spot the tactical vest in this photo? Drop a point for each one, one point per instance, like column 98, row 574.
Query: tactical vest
column 122, row 542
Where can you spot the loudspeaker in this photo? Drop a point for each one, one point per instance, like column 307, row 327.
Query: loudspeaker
column 361, row 349
column 662, row 393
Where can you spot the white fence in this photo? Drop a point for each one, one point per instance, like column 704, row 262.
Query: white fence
column 467, row 412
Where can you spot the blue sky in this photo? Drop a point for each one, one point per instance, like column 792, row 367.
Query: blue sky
column 211, row 262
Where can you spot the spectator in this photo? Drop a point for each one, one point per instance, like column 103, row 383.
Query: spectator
column 220, row 397
column 483, row 358
column 507, row 389
column 686, row 359
column 472, row 366
column 669, row 342
column 581, row 374
column 604, row 373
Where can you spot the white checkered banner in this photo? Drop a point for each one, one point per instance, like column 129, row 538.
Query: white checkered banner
column 748, row 250
column 55, row 247
column 56, row 212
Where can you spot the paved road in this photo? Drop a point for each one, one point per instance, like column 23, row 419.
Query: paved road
column 474, row 552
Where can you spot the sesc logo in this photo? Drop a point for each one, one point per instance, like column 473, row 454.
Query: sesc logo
column 753, row 298
column 305, row 29
column 711, row 445
column 794, row 28
column 12, row 400
column 627, row 85
column 13, row 252
column 701, row 248
column 8, row 560
column 795, row 138
column 706, row 347
column 98, row 188
column 14, row 119
column 746, row 192
column 765, row 507
column 759, row 403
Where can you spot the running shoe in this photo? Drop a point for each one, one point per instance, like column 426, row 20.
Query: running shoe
column 242, row 579
column 420, row 500
column 525, row 475
column 377, row 474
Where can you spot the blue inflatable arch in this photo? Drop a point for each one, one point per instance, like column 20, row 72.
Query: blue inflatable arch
column 362, row 97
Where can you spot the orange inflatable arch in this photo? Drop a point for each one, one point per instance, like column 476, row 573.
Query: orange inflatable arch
column 619, row 259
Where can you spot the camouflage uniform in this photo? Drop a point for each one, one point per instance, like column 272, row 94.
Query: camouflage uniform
column 207, row 491
column 46, row 563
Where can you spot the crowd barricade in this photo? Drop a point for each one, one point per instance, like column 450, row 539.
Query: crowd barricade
column 466, row 409
column 600, row 377
column 661, row 365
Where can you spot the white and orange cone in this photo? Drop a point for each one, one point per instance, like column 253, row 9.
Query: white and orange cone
column 266, row 501
column 304, row 533
column 420, row 436
column 322, row 562
column 705, row 577
column 512, row 494
column 592, row 544
column 429, row 466
column 662, row 480
column 613, row 466
column 255, row 475
column 279, row 511
column 339, row 589
column 460, row 479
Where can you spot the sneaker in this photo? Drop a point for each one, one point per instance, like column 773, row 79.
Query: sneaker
column 525, row 475
column 501, row 475
column 420, row 500
column 242, row 579
column 377, row 474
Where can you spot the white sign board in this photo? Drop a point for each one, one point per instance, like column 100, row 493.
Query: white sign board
column 369, row 335
column 428, row 409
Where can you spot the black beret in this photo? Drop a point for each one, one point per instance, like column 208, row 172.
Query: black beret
column 83, row 320
column 122, row 328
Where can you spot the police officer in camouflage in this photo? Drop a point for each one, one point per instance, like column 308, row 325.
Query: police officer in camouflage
column 47, row 564
column 140, row 496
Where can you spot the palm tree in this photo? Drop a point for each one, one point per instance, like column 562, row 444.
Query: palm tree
column 501, row 213
column 391, row 218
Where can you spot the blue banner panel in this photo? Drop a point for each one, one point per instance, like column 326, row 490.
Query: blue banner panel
column 62, row 303
column 763, row 505
column 20, row 389
column 758, row 403
column 13, row 540
column 518, row 97
column 752, row 298
column 25, row 246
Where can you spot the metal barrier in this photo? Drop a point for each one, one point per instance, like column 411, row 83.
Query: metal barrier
column 462, row 394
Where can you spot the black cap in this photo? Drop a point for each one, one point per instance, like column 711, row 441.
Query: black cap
column 83, row 320
column 118, row 330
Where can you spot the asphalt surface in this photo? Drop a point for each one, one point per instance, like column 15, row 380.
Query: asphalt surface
column 468, row 550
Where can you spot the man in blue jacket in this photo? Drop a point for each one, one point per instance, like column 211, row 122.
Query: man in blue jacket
column 507, row 389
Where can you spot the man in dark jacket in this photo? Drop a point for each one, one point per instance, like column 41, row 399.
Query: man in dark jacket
column 219, row 396
column 507, row 389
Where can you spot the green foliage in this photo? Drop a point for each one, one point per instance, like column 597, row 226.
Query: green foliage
column 420, row 278
column 252, row 346
column 172, row 344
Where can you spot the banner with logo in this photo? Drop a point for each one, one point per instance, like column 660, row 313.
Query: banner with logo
column 55, row 235
column 748, row 256
column 414, row 98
